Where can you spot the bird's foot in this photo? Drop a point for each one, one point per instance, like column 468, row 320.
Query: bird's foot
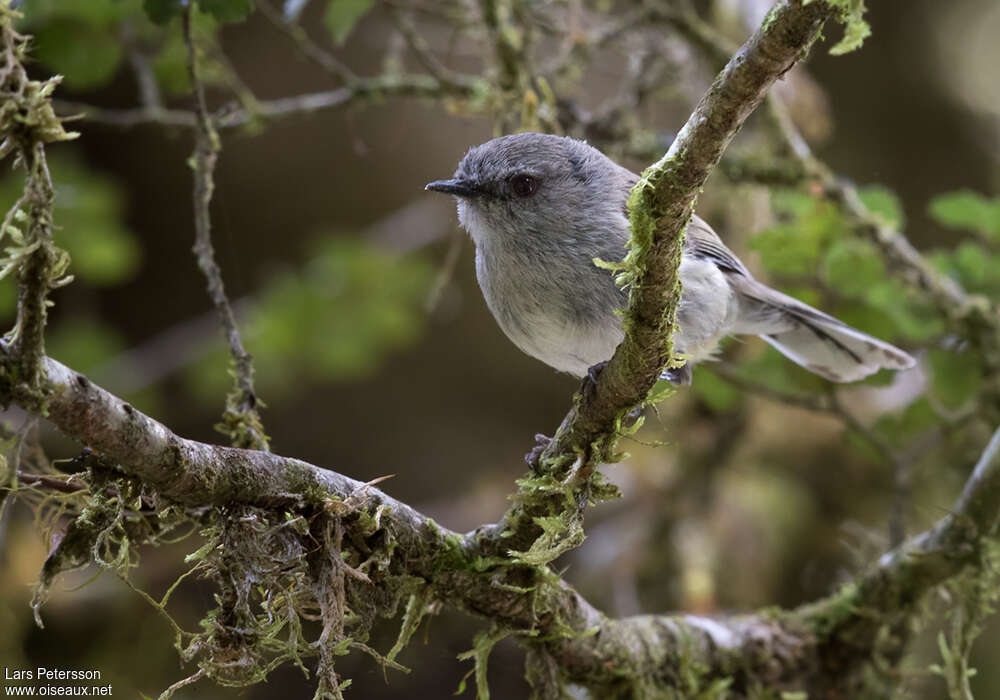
column 590, row 381
column 541, row 442
column 681, row 376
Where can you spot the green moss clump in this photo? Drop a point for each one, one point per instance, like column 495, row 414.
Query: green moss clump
column 856, row 28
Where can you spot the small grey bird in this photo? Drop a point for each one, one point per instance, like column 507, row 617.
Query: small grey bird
column 540, row 208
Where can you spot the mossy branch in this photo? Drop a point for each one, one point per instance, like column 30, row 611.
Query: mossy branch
column 27, row 124
column 660, row 206
column 815, row 647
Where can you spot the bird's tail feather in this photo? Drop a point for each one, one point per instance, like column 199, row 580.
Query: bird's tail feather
column 815, row 340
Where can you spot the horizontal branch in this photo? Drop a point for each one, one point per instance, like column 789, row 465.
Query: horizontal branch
column 780, row 649
column 379, row 87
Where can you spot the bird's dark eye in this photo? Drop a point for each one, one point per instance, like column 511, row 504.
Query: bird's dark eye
column 523, row 185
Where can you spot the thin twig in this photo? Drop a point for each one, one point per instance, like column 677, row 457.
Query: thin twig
column 142, row 69
column 819, row 403
column 830, row 404
column 373, row 88
column 247, row 430
column 306, row 46
column 446, row 272
column 125, row 118
column 50, row 482
column 496, row 18
column 449, row 79
column 901, row 468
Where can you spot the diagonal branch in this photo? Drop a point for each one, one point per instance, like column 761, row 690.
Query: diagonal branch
column 975, row 317
column 660, row 206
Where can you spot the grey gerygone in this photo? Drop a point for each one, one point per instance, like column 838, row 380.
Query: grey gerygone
column 541, row 208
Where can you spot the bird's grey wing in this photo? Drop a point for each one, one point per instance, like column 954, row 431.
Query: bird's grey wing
column 812, row 339
column 702, row 242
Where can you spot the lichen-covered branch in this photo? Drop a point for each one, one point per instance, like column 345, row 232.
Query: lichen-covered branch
column 241, row 419
column 306, row 46
column 27, row 124
column 660, row 206
column 817, row 647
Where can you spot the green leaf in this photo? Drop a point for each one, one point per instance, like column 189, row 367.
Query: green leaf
column 972, row 263
column 718, row 394
column 227, row 10
column 108, row 256
column 87, row 55
column 884, row 202
column 170, row 66
column 170, row 62
column 339, row 317
column 956, row 376
column 796, row 246
column 913, row 319
column 977, row 268
column 784, row 250
column 915, row 419
column 342, row 16
column 99, row 13
column 792, row 203
column 967, row 210
column 774, row 370
column 851, row 266
column 83, row 343
column 162, row 11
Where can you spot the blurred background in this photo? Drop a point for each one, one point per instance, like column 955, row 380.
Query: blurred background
column 376, row 356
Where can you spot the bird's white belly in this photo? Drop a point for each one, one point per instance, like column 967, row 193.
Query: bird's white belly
column 566, row 347
column 705, row 315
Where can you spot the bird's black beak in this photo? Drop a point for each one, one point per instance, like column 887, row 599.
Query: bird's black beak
column 456, row 186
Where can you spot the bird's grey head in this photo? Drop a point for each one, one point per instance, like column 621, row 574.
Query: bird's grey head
column 535, row 186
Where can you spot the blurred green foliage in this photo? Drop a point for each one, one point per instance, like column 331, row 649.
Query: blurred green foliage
column 969, row 211
column 342, row 16
column 87, row 40
column 79, row 38
column 87, row 54
column 974, row 262
column 162, row 11
column 813, row 246
column 339, row 317
column 83, row 343
column 89, row 218
column 718, row 394
column 884, row 202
